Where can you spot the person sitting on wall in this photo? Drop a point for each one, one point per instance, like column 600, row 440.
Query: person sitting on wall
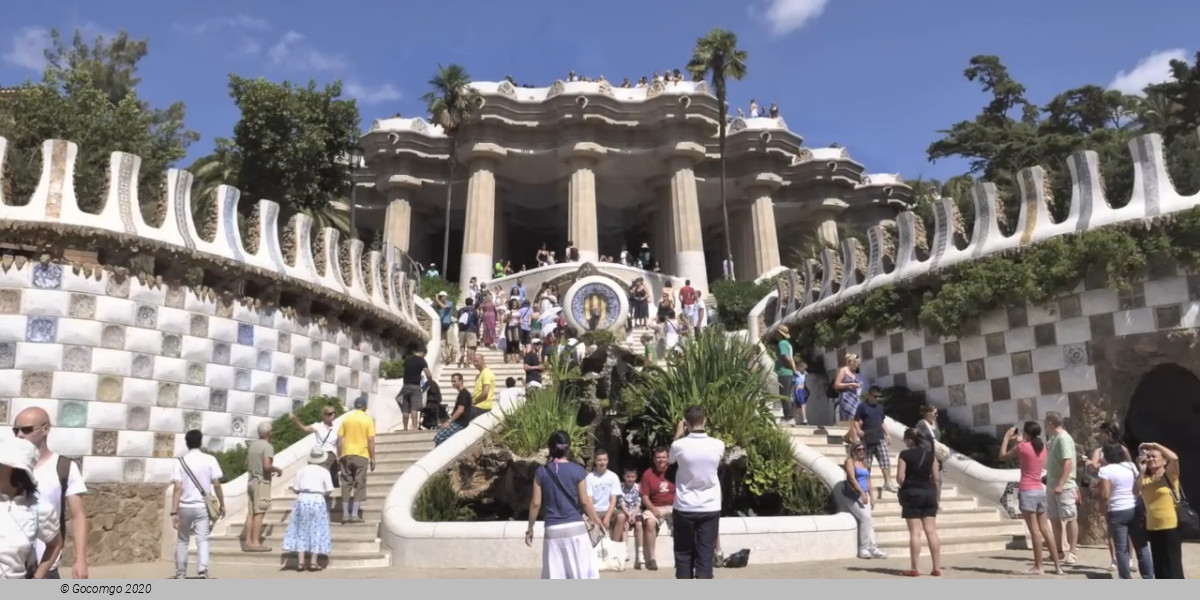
column 658, row 500
column 462, row 415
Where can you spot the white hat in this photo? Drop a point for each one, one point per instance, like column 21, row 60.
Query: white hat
column 536, row 340
column 19, row 454
column 645, row 245
column 442, row 294
column 316, row 456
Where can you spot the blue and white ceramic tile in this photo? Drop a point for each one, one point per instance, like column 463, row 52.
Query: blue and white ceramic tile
column 8, row 355
column 72, row 413
column 262, row 404
column 241, row 380
column 280, row 386
column 47, row 276
column 41, row 329
column 264, row 361
column 245, row 334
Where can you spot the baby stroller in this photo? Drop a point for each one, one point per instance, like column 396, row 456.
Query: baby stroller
column 433, row 414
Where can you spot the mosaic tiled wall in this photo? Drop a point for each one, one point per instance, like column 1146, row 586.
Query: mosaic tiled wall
column 125, row 368
column 1016, row 364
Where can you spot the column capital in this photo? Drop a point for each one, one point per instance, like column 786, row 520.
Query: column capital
column 760, row 184
column 583, row 154
column 485, row 152
column 682, row 154
column 400, row 185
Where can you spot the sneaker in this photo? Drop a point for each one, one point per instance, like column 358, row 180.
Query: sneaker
column 877, row 553
column 1070, row 558
column 865, row 555
column 202, row 575
column 891, row 487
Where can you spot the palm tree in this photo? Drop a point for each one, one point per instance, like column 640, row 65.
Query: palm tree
column 717, row 54
column 451, row 102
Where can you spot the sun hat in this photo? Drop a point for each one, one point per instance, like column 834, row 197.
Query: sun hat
column 783, row 330
column 19, row 454
column 316, row 456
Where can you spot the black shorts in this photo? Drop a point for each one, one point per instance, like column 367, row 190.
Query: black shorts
column 918, row 503
column 525, row 337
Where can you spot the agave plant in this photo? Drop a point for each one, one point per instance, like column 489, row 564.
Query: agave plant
column 551, row 408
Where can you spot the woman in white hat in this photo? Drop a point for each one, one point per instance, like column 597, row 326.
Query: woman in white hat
column 24, row 520
column 308, row 528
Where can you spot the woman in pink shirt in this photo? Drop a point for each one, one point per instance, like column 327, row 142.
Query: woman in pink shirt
column 1031, row 454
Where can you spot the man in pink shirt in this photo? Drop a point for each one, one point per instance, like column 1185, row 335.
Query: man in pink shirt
column 687, row 299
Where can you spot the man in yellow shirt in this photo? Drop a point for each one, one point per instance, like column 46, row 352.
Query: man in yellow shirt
column 485, row 387
column 356, row 447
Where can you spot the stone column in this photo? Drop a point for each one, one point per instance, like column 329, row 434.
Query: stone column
column 763, row 234
column 743, row 242
column 479, row 229
column 582, row 228
column 687, row 236
column 398, row 221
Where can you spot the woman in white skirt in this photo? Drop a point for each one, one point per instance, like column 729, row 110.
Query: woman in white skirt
column 559, row 485
column 308, row 528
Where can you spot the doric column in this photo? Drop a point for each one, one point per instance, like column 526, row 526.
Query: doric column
column 742, row 224
column 479, row 228
column 500, row 238
column 398, row 221
column 581, row 206
column 687, row 236
column 764, row 236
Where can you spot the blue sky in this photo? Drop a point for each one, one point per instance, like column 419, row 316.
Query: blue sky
column 877, row 76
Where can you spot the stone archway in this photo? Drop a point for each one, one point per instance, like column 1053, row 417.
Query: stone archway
column 1153, row 378
column 1165, row 408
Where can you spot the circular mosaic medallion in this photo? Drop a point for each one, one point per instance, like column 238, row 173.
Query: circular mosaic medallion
column 595, row 303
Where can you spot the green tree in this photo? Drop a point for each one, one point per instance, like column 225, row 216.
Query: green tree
column 292, row 145
column 87, row 95
column 451, row 102
column 716, row 55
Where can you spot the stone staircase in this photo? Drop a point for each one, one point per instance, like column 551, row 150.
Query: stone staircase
column 495, row 361
column 964, row 525
column 355, row 545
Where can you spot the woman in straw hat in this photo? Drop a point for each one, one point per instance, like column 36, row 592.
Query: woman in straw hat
column 308, row 528
column 24, row 520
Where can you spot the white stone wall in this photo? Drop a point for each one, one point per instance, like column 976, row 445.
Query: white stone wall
column 1016, row 364
column 125, row 365
column 125, row 368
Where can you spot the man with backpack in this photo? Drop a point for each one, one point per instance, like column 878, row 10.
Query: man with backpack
column 60, row 484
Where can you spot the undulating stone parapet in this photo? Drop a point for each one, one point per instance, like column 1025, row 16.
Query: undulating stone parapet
column 212, row 254
column 836, row 278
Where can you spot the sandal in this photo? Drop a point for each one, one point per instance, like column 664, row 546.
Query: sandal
column 936, row 572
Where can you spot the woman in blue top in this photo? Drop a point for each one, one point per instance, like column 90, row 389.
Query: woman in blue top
column 560, row 485
column 855, row 497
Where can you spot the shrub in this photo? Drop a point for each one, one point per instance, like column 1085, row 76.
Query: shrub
column 725, row 376
column 735, row 299
column 904, row 406
column 284, row 433
column 391, row 369
column 430, row 286
column 437, row 502
column 550, row 408
column 599, row 338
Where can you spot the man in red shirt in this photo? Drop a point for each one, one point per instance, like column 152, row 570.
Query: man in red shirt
column 687, row 299
column 658, row 498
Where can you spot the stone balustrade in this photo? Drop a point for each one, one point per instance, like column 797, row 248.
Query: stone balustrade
column 841, row 275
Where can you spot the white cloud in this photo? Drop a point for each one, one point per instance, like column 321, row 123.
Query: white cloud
column 28, row 48
column 291, row 51
column 373, row 95
column 238, row 21
column 1153, row 69
column 786, row 16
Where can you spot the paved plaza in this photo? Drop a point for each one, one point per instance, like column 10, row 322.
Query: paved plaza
column 1009, row 564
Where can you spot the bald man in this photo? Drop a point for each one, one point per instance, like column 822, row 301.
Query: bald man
column 33, row 424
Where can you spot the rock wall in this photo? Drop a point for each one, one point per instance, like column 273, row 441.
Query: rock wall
column 124, row 524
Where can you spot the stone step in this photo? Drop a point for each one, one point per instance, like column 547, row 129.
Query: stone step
column 958, row 545
column 342, row 543
column 344, row 560
column 388, row 456
column 890, row 506
column 946, row 515
column 281, row 511
column 360, row 531
column 898, row 532
column 949, row 494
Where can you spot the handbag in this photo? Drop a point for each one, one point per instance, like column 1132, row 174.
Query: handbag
column 595, row 533
column 210, row 501
column 1188, row 522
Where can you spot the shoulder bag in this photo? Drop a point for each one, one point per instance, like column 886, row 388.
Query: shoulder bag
column 210, row 501
column 1188, row 522
column 595, row 532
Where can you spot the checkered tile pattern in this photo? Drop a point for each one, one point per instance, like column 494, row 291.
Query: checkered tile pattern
column 125, row 368
column 1016, row 364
